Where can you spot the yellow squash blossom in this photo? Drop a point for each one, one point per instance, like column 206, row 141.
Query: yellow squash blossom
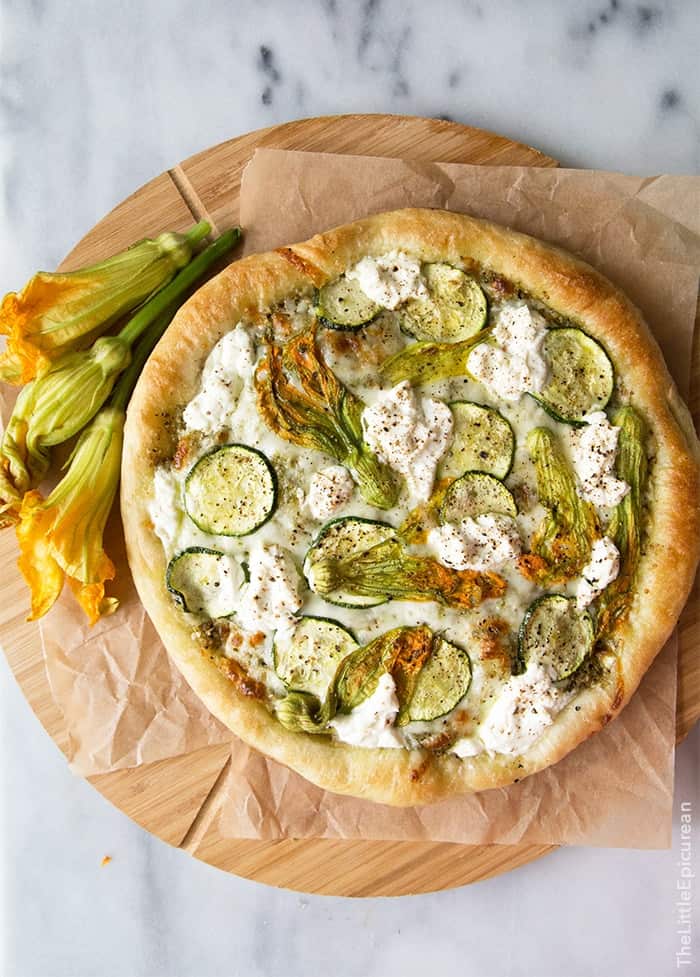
column 67, row 395
column 61, row 537
column 57, row 312
column 53, row 408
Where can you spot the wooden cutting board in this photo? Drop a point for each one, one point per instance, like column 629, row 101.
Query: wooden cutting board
column 174, row 798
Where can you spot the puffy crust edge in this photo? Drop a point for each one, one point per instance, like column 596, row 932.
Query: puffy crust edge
column 250, row 287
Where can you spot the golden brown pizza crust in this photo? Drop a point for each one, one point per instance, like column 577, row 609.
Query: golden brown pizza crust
column 250, row 287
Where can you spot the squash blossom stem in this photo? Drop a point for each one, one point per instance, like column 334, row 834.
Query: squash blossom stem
column 145, row 346
column 179, row 285
column 58, row 312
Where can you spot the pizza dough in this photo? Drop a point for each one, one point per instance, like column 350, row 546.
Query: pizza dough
column 482, row 549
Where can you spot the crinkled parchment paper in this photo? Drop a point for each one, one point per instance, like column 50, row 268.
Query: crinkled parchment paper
column 124, row 704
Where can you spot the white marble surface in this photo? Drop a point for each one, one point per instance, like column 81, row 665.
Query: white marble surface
column 97, row 97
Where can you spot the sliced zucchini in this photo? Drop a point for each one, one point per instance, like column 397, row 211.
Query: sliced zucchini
column 482, row 441
column 455, row 311
column 474, row 494
column 343, row 305
column 307, row 658
column 556, row 635
column 231, row 491
column 581, row 375
column 204, row 581
column 443, row 681
column 339, row 539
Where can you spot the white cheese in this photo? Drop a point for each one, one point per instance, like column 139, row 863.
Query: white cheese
column 409, row 433
column 226, row 370
column 329, row 490
column 467, row 746
column 593, row 450
column 526, row 706
column 514, row 363
column 602, row 568
column 484, row 543
column 270, row 600
column 389, row 279
column 371, row 723
column 164, row 508
column 219, row 596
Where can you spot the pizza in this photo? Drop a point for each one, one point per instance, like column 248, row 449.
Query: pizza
column 413, row 505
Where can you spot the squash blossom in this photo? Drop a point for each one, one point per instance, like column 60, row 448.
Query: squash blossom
column 69, row 392
column 53, row 408
column 61, row 537
column 57, row 312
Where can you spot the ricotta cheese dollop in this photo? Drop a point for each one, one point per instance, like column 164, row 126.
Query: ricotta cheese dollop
column 165, row 508
column 484, row 543
column 602, row 568
column 225, row 372
column 514, row 363
column 389, row 279
column 409, row 433
column 371, row 723
column 270, row 599
column 525, row 707
column 329, row 490
column 467, row 746
column 593, row 451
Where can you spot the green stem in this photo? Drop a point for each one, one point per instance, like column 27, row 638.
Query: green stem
column 198, row 232
column 179, row 285
column 127, row 381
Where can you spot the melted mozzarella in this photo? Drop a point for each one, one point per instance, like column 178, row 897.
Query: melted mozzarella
column 484, row 543
column 409, row 433
column 329, row 490
column 371, row 723
column 593, row 450
column 389, row 279
column 514, row 363
column 602, row 568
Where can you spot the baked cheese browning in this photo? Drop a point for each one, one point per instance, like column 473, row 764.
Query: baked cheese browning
column 321, row 414
column 239, row 678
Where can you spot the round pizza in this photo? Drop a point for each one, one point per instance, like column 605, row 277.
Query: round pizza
column 413, row 505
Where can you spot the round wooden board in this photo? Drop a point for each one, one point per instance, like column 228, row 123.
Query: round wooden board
column 174, row 798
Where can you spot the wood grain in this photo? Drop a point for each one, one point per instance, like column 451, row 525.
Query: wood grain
column 176, row 799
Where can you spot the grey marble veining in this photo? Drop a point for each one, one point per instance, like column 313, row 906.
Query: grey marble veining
column 97, row 97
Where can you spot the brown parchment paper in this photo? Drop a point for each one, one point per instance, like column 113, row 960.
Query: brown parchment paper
column 124, row 703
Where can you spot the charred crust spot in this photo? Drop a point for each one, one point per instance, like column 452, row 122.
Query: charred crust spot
column 307, row 268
